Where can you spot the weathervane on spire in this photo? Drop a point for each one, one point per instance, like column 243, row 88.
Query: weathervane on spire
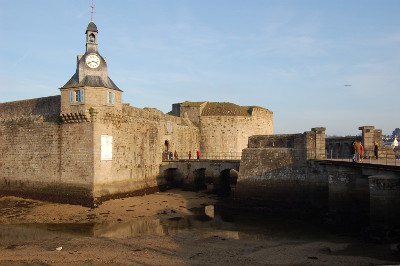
column 92, row 7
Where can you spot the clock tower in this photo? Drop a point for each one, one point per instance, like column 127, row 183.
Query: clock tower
column 90, row 90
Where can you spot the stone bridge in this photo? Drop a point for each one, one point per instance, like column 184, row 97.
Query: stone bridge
column 367, row 187
column 214, row 175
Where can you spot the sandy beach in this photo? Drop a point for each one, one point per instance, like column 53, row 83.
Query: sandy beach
column 154, row 230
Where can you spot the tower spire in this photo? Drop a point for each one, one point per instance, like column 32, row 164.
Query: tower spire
column 92, row 7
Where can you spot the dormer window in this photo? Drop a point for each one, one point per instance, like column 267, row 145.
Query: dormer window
column 110, row 97
column 91, row 38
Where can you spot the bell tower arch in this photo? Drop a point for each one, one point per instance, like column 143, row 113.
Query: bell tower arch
column 91, row 38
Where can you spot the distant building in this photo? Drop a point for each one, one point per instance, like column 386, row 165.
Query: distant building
column 395, row 143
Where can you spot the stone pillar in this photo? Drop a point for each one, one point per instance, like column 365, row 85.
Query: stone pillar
column 384, row 194
column 378, row 137
column 368, row 133
column 319, row 142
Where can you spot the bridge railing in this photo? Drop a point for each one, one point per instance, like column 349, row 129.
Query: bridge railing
column 203, row 156
column 385, row 157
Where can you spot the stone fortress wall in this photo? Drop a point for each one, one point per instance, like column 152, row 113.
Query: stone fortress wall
column 52, row 148
column 46, row 156
column 274, row 167
column 40, row 157
column 86, row 145
column 225, row 127
column 139, row 139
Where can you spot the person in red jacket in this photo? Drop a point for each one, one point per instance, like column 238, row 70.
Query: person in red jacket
column 198, row 154
column 361, row 152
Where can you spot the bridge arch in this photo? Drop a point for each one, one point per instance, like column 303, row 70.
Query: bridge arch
column 172, row 178
column 199, row 179
column 225, row 183
column 200, row 174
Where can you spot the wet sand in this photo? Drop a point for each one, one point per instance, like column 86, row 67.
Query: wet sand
column 132, row 231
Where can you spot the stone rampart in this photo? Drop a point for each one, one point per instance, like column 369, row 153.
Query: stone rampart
column 44, row 156
column 225, row 127
column 40, row 155
column 274, row 168
column 40, row 106
column 139, row 141
column 225, row 134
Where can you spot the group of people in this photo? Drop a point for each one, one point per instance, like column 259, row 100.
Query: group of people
column 357, row 151
column 197, row 153
column 168, row 155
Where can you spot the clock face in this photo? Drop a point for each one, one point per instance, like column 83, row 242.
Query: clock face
column 92, row 61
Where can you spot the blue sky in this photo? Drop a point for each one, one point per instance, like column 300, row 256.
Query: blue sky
column 292, row 57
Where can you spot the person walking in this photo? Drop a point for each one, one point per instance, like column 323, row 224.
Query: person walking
column 376, row 151
column 357, row 151
column 190, row 155
column 361, row 152
column 176, row 155
column 198, row 154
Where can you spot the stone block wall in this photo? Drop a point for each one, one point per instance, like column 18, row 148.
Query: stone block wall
column 340, row 147
column 138, row 146
column 275, row 169
column 293, row 141
column 225, row 127
column 95, row 101
column 44, row 156
column 229, row 134
column 30, row 150
column 29, row 146
column 192, row 111
column 76, row 158
column 41, row 158
column 384, row 200
column 271, row 175
column 348, row 191
column 368, row 135
column 40, row 106
column 320, row 151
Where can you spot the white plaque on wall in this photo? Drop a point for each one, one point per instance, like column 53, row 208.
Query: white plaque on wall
column 106, row 147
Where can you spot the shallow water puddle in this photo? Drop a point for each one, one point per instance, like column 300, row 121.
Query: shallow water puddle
column 205, row 222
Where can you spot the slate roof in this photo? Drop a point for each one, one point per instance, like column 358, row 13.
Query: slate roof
column 91, row 81
column 91, row 27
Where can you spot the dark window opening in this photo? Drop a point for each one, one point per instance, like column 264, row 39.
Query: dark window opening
column 91, row 38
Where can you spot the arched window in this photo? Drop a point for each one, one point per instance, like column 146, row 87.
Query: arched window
column 166, row 143
column 91, row 38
